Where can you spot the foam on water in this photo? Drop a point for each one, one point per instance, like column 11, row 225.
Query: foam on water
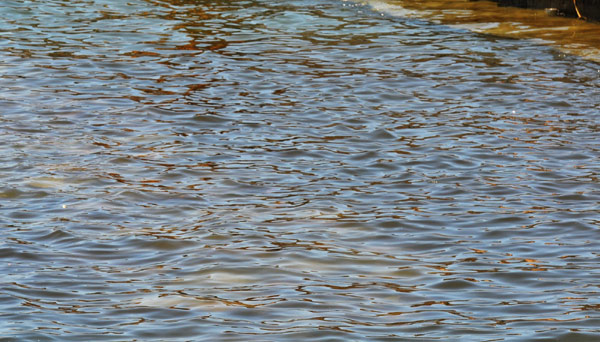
column 388, row 8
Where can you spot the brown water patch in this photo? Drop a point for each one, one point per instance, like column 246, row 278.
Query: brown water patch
column 570, row 35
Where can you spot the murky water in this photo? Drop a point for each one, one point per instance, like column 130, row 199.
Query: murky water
column 291, row 170
column 569, row 35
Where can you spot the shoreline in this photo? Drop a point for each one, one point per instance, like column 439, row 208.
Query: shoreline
column 495, row 17
column 589, row 9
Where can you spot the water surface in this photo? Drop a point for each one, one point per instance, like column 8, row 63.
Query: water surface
column 293, row 170
column 569, row 35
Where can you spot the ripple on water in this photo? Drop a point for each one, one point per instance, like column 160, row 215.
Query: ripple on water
column 184, row 170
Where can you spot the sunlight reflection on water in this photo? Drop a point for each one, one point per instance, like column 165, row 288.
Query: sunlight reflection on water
column 305, row 169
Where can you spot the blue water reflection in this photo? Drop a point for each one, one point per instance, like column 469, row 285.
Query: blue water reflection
column 209, row 170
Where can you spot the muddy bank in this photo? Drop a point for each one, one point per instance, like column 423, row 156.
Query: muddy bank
column 588, row 9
